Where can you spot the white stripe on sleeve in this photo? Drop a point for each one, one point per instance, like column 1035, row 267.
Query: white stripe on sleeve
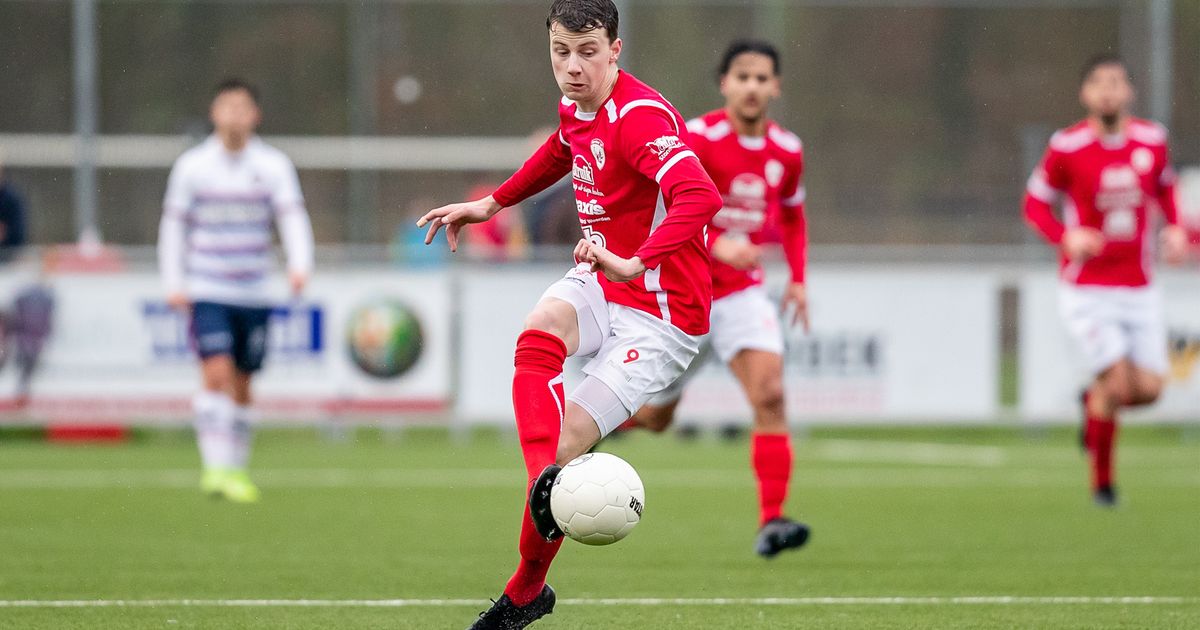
column 1040, row 189
column 672, row 162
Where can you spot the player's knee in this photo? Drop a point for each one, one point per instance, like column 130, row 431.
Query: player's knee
column 655, row 419
column 545, row 321
column 1148, row 391
column 768, row 396
column 1118, row 392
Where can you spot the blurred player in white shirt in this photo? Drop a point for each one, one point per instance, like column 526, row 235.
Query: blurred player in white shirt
column 214, row 253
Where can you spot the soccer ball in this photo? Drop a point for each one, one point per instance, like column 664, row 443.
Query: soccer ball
column 597, row 499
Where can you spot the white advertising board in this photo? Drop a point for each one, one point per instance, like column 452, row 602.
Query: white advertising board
column 117, row 351
column 1052, row 372
column 909, row 345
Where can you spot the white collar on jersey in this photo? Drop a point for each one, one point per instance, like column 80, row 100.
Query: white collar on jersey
column 753, row 143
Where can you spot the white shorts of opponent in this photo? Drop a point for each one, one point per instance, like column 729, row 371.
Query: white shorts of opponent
column 633, row 355
column 745, row 320
column 1112, row 323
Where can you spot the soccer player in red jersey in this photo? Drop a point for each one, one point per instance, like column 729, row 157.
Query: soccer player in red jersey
column 756, row 165
column 1109, row 171
column 638, row 301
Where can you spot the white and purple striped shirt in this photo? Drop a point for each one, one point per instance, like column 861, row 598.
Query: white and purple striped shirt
column 215, row 237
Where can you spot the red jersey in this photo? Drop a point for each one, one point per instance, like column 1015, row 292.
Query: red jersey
column 640, row 191
column 1107, row 183
column 760, row 181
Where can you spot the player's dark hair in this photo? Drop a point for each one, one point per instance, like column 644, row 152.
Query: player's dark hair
column 743, row 46
column 1103, row 59
column 235, row 84
column 580, row 16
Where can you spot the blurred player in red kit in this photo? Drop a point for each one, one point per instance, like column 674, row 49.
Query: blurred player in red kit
column 1109, row 171
column 638, row 301
column 757, row 166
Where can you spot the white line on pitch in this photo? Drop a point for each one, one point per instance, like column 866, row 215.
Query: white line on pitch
column 336, row 478
column 982, row 600
column 927, row 453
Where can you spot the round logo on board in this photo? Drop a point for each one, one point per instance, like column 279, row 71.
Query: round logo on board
column 384, row 338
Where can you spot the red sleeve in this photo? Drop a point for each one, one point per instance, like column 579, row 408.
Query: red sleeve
column 793, row 223
column 1166, row 190
column 650, row 142
column 1044, row 189
column 547, row 165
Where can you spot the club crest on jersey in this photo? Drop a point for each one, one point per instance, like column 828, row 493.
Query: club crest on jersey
column 664, row 146
column 774, row 172
column 582, row 171
column 1142, row 160
column 598, row 152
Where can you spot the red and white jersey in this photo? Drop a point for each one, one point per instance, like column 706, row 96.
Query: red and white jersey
column 761, row 185
column 1110, row 184
column 640, row 191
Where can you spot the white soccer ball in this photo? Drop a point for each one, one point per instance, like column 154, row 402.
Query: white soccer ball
column 597, row 499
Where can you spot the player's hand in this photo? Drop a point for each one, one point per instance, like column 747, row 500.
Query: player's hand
column 737, row 253
column 615, row 268
column 1082, row 243
column 796, row 297
column 1175, row 244
column 179, row 301
column 455, row 216
column 297, row 280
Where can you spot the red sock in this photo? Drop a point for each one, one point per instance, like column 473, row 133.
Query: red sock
column 1101, row 434
column 538, row 405
column 771, row 454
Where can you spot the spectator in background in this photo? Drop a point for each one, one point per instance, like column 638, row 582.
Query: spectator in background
column 551, row 215
column 30, row 324
column 12, row 218
column 408, row 245
column 503, row 238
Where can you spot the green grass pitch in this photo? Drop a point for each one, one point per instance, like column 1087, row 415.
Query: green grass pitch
column 920, row 515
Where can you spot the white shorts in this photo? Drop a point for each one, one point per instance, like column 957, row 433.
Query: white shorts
column 634, row 354
column 745, row 320
column 1113, row 323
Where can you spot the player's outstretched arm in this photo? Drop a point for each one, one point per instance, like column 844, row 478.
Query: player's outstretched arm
column 1174, row 236
column 1175, row 244
column 294, row 225
column 651, row 144
column 454, row 216
column 172, row 236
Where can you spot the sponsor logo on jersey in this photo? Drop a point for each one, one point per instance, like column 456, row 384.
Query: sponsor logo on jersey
column 774, row 172
column 1142, row 160
column 589, row 207
column 582, row 171
column 598, row 152
column 1118, row 177
column 748, row 186
column 664, row 146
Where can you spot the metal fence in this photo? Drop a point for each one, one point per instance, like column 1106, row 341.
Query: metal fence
column 920, row 117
